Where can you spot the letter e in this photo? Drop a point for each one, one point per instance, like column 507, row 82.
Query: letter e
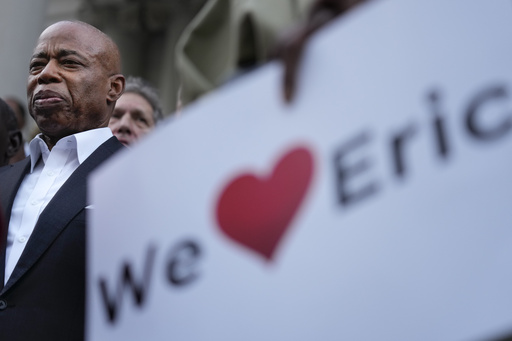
column 182, row 262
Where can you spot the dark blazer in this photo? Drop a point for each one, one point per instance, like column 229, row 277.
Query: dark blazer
column 44, row 298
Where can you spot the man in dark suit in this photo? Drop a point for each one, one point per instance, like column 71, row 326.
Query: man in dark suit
column 74, row 81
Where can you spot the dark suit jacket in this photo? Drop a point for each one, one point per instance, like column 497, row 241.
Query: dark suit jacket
column 44, row 298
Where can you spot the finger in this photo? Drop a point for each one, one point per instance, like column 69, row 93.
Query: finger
column 290, row 78
column 292, row 61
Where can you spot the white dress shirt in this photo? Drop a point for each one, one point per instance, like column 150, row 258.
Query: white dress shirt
column 49, row 171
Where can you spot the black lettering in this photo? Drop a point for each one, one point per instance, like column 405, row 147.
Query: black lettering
column 398, row 142
column 181, row 268
column 438, row 124
column 344, row 172
column 127, row 282
column 474, row 109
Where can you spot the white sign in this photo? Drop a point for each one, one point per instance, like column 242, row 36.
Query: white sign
column 375, row 207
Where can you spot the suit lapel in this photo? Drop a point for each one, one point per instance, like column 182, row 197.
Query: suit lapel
column 65, row 205
column 10, row 180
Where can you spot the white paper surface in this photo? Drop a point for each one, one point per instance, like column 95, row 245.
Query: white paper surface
column 425, row 256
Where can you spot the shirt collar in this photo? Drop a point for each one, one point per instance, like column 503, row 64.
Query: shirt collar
column 85, row 144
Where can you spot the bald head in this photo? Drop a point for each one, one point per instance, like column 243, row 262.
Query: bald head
column 102, row 45
column 74, row 80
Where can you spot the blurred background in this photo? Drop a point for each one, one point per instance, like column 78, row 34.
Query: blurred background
column 146, row 32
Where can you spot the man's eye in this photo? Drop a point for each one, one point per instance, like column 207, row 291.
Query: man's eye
column 142, row 122
column 70, row 62
column 36, row 66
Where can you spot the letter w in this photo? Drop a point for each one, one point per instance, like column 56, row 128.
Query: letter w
column 127, row 282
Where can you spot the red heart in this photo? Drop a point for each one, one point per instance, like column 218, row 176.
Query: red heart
column 256, row 212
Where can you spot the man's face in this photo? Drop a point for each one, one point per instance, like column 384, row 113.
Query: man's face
column 132, row 118
column 67, row 84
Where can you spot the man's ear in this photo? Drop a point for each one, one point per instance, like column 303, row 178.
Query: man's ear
column 116, row 88
column 15, row 141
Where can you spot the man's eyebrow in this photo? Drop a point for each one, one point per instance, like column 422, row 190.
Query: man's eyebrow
column 41, row 54
column 64, row 53
column 137, row 111
column 60, row 54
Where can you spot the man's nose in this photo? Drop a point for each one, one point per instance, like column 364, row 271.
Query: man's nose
column 50, row 73
column 125, row 124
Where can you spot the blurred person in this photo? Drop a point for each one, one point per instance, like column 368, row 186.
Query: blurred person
column 73, row 83
column 19, row 110
column 137, row 111
column 10, row 135
column 21, row 115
